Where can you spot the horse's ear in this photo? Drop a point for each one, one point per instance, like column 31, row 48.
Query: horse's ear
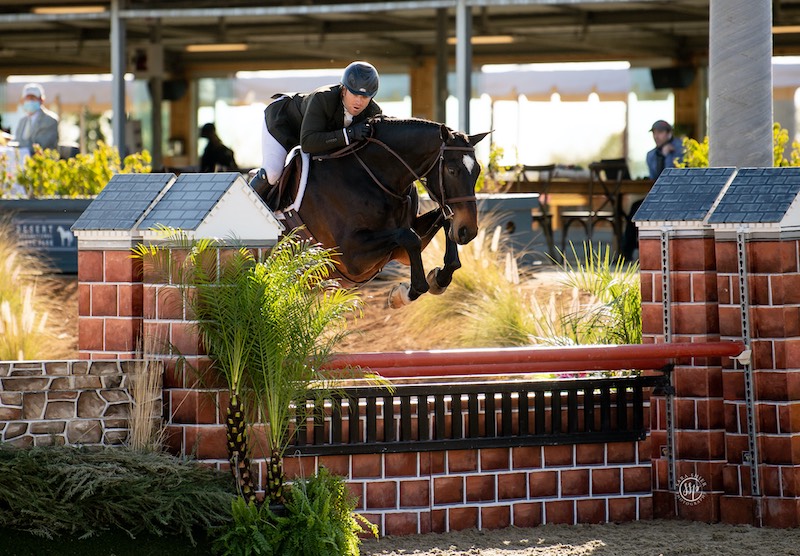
column 475, row 139
column 445, row 132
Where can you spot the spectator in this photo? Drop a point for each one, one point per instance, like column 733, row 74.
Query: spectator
column 38, row 126
column 665, row 154
column 330, row 117
column 216, row 156
column 667, row 151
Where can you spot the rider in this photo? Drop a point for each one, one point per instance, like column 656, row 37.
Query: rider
column 330, row 117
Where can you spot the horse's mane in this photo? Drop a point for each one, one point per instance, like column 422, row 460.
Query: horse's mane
column 391, row 120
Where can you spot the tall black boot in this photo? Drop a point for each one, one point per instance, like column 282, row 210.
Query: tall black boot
column 260, row 184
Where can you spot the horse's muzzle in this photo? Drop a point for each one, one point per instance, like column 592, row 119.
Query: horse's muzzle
column 465, row 235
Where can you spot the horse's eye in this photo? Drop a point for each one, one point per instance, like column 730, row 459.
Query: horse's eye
column 451, row 170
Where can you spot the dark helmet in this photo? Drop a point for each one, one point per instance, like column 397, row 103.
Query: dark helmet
column 361, row 78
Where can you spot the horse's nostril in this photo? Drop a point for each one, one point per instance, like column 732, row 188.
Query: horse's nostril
column 464, row 235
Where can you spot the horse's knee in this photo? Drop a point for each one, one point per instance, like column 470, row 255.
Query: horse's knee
column 433, row 282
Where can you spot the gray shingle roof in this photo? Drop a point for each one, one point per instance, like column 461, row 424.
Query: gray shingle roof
column 189, row 200
column 683, row 194
column 758, row 195
column 122, row 202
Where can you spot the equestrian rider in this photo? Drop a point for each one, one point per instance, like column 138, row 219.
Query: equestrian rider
column 328, row 118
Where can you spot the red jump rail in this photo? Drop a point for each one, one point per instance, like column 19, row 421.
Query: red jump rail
column 488, row 361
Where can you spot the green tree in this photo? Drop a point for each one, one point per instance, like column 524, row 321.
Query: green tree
column 268, row 325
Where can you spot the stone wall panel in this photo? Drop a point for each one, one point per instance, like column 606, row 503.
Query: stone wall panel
column 81, row 431
column 33, row 405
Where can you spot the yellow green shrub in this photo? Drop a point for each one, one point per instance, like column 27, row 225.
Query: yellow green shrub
column 44, row 174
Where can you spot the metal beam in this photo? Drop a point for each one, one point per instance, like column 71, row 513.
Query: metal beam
column 118, row 63
column 463, row 63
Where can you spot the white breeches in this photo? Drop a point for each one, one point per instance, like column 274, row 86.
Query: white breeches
column 273, row 155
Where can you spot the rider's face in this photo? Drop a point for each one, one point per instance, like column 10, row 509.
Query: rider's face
column 354, row 104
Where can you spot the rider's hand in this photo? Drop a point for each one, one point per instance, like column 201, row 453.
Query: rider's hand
column 357, row 132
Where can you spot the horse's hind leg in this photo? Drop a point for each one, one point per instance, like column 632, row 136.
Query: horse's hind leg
column 439, row 278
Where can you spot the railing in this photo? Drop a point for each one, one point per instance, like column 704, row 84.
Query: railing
column 423, row 417
column 458, row 407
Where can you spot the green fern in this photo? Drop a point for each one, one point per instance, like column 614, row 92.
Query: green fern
column 321, row 519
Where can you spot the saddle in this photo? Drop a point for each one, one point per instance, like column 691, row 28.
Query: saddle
column 281, row 195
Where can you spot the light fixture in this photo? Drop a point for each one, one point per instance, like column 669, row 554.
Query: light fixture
column 785, row 29
column 219, row 47
column 64, row 10
column 486, row 39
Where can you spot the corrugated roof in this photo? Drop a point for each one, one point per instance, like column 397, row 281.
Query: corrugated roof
column 683, row 194
column 189, row 200
column 122, row 202
column 758, row 195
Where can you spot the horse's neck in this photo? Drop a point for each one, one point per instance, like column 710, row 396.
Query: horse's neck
column 403, row 164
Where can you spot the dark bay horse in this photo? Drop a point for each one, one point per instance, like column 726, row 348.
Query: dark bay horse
column 362, row 202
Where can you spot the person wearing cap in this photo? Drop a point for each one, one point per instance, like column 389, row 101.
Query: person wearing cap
column 38, row 126
column 326, row 119
column 667, row 151
column 216, row 157
column 665, row 154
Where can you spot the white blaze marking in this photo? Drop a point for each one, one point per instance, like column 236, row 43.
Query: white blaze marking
column 469, row 163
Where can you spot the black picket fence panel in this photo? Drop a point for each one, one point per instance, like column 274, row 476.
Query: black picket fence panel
column 420, row 417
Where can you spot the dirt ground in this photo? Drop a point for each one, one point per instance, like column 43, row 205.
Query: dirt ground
column 642, row 538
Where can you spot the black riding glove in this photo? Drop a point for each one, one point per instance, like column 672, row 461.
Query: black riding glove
column 357, row 132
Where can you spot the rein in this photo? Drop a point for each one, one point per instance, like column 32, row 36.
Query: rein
column 440, row 198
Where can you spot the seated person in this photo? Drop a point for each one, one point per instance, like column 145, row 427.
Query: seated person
column 665, row 154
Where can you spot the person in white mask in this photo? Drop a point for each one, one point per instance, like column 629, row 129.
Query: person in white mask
column 38, row 126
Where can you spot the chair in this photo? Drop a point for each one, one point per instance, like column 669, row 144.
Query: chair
column 542, row 216
column 602, row 204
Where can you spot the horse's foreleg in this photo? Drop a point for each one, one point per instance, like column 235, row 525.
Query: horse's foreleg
column 439, row 278
column 405, row 293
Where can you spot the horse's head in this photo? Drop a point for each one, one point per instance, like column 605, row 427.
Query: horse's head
column 455, row 184
column 444, row 157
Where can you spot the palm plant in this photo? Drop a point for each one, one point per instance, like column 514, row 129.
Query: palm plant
column 615, row 315
column 302, row 318
column 268, row 326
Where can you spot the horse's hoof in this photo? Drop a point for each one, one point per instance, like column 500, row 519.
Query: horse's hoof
column 398, row 297
column 434, row 286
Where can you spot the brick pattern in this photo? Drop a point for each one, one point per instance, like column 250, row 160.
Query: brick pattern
column 699, row 431
column 443, row 491
column 773, row 276
column 711, row 437
column 415, row 493
column 110, row 305
column 67, row 402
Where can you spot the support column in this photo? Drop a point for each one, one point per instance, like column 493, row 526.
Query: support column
column 768, row 492
column 423, row 81
column 109, row 303
column 740, row 83
column 679, row 304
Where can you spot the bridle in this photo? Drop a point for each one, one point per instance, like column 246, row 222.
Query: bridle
column 440, row 198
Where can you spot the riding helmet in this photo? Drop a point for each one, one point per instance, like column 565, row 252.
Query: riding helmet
column 361, row 78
